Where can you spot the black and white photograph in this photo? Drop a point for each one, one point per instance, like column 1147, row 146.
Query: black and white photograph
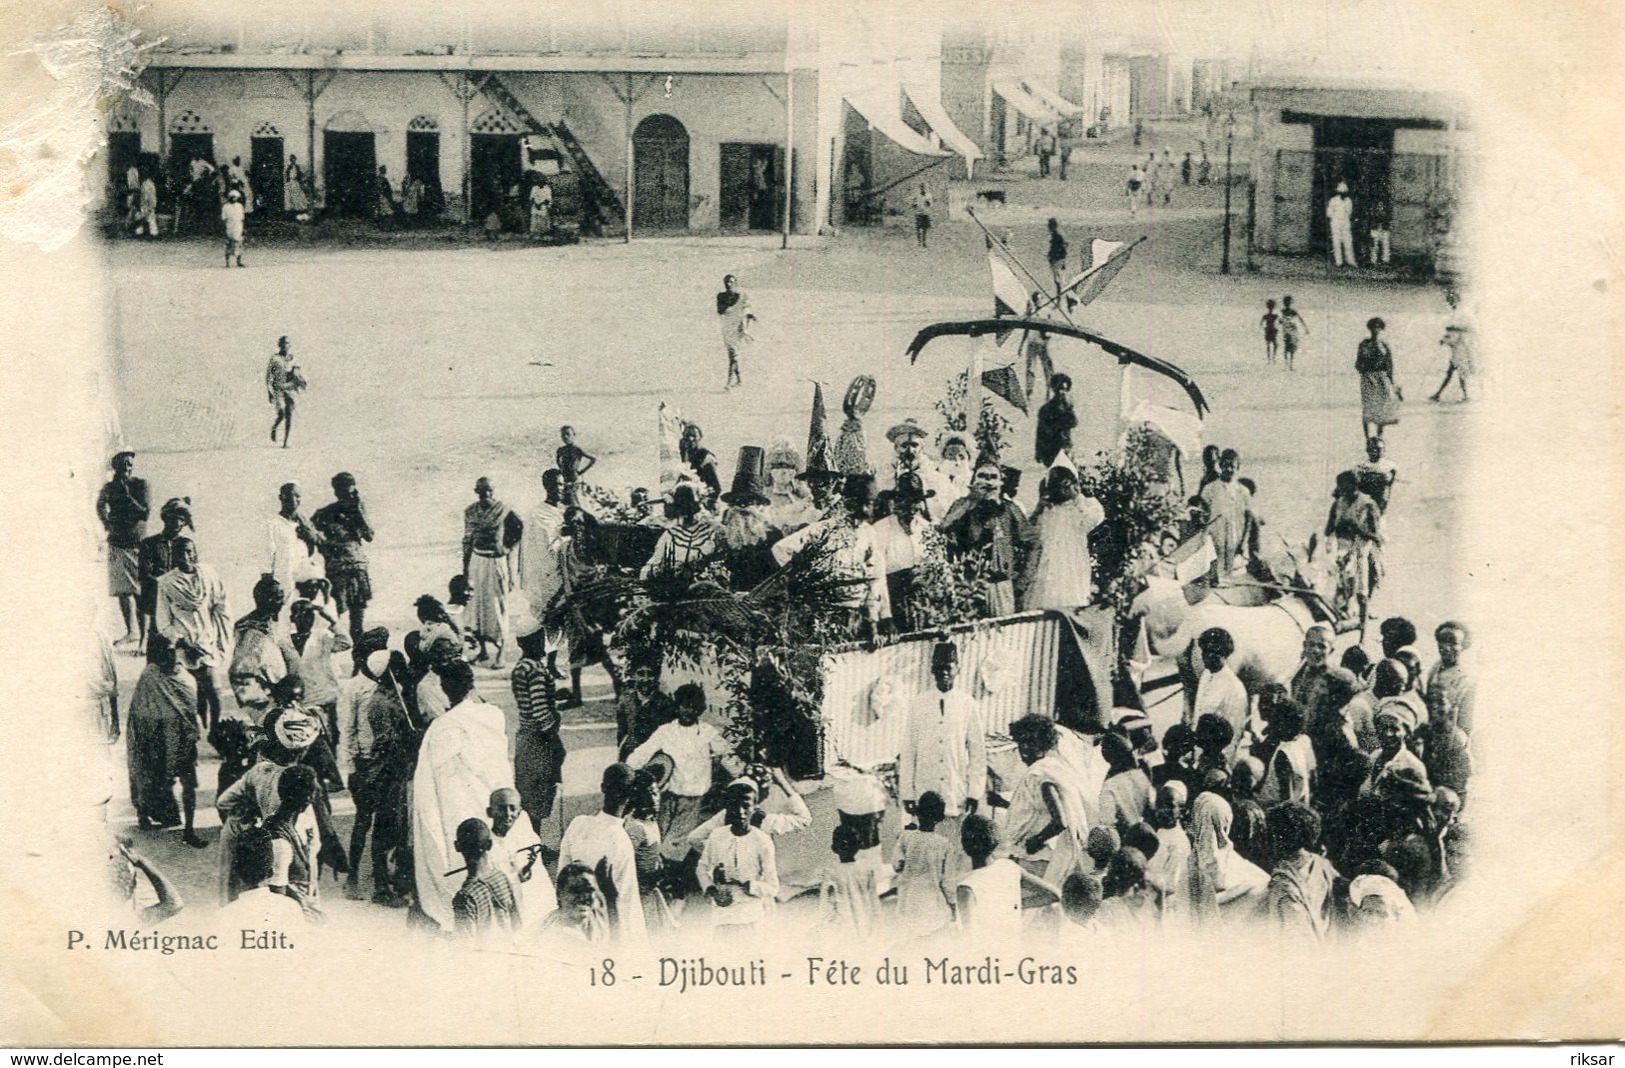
column 1084, row 521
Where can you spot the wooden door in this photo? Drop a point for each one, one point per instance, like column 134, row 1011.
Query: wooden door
column 660, row 174
column 265, row 173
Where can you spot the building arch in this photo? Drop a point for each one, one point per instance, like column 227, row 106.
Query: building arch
column 494, row 120
column 348, row 121
column 267, row 129
column 423, row 124
column 660, row 174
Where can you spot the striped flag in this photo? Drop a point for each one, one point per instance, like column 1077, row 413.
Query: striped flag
column 1106, row 259
column 1010, row 297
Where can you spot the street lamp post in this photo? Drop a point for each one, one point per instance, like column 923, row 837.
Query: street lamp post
column 1229, row 137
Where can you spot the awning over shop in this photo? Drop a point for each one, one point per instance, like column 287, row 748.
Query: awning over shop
column 1055, row 101
column 885, row 119
column 931, row 110
column 1025, row 102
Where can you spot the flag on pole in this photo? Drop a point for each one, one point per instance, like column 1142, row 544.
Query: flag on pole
column 1010, row 297
column 1106, row 258
column 670, row 438
column 819, row 454
column 1101, row 251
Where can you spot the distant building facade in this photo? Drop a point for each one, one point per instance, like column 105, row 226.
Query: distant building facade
column 1402, row 153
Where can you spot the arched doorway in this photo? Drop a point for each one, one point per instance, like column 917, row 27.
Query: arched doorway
column 494, row 168
column 660, row 174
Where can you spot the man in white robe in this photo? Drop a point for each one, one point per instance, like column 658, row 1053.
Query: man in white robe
column 463, row 758
column 600, row 838
column 516, row 851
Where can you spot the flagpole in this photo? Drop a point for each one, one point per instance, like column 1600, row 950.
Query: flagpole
column 1011, row 256
column 1090, row 273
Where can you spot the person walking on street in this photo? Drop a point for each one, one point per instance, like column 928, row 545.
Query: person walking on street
column 231, row 213
column 282, row 380
column 1292, row 330
column 1380, row 395
column 1458, row 338
column 1269, row 322
column 922, row 214
column 733, row 311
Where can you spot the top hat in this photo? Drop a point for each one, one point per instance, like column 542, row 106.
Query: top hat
column 750, row 478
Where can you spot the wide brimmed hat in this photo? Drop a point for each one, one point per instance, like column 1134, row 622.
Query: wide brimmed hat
column 908, row 428
column 750, row 478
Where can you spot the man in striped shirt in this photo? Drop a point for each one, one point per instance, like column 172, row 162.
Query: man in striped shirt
column 538, row 756
column 691, row 539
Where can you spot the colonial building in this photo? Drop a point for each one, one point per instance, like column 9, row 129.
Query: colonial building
column 663, row 119
column 1401, row 151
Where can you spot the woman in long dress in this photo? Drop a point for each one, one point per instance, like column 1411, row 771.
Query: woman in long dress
column 1380, row 395
column 162, row 733
column 293, row 188
column 1059, row 571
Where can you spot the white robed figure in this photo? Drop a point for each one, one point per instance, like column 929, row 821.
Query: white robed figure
column 463, row 759
column 516, row 851
column 1047, row 799
column 1060, row 575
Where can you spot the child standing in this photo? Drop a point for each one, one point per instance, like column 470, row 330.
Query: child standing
column 1268, row 322
column 1292, row 330
column 849, row 899
column 232, row 213
column 572, row 461
column 990, row 898
column 925, row 891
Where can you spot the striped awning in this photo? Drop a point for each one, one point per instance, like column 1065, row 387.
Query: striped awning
column 887, row 121
column 1024, row 102
column 931, row 110
column 1055, row 101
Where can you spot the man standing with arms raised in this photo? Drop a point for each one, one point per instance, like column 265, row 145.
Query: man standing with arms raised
column 123, row 506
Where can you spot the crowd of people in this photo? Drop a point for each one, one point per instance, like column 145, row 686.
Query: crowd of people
column 1330, row 801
